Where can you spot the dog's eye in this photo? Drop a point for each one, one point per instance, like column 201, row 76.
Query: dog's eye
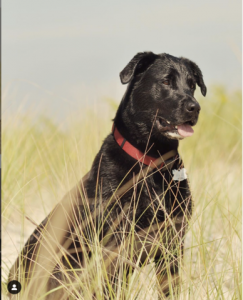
column 192, row 86
column 166, row 82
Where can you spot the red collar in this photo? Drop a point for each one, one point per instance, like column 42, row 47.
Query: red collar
column 130, row 149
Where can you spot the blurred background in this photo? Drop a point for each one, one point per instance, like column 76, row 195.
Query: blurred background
column 60, row 89
column 59, row 56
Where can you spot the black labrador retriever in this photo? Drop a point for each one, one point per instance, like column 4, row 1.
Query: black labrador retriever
column 157, row 110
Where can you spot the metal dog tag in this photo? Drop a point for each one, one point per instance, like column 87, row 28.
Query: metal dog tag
column 179, row 175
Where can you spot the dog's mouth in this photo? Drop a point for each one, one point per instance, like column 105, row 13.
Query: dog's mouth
column 178, row 131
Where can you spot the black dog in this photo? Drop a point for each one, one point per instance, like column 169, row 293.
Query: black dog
column 157, row 110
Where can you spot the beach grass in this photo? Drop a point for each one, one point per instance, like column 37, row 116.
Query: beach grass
column 41, row 161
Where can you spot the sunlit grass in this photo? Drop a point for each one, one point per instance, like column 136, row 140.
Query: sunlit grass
column 41, row 162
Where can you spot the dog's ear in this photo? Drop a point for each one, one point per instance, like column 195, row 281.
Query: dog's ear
column 198, row 75
column 138, row 64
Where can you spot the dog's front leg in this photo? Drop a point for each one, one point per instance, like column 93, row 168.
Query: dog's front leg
column 168, row 277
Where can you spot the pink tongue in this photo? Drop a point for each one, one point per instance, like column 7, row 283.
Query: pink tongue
column 185, row 130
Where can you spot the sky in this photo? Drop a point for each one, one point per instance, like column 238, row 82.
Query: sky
column 62, row 54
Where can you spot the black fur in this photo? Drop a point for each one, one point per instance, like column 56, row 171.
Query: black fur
column 161, row 88
column 147, row 97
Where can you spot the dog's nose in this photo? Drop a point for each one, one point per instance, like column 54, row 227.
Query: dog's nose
column 193, row 107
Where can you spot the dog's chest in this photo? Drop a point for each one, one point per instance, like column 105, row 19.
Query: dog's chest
column 155, row 199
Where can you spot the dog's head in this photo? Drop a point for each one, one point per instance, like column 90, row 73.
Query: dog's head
column 160, row 95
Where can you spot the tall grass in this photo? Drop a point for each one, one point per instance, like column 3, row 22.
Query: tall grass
column 41, row 162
